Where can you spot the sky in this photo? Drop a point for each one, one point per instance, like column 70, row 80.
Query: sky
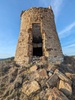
column 10, row 10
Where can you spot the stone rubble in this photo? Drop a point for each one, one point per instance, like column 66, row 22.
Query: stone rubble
column 57, row 95
column 52, row 81
column 65, row 87
column 33, row 68
column 31, row 87
column 37, row 82
column 62, row 76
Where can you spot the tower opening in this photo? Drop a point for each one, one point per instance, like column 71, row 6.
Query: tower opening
column 37, row 39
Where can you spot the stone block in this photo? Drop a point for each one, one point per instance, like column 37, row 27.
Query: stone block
column 33, row 68
column 70, row 75
column 57, row 95
column 43, row 73
column 51, row 66
column 62, row 76
column 52, row 81
column 30, row 87
column 65, row 88
column 34, row 75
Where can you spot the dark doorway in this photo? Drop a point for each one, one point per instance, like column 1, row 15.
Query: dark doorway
column 37, row 39
column 37, row 51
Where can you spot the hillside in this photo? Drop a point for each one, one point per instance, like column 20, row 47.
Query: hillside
column 38, row 80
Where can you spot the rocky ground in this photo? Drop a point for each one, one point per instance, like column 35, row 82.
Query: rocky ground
column 39, row 80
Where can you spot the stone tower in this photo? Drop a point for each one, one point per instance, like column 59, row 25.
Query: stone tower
column 38, row 37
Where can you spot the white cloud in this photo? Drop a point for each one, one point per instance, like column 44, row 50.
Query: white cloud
column 66, row 32
column 56, row 5
column 69, row 46
column 69, row 49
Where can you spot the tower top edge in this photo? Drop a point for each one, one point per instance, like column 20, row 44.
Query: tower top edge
column 37, row 8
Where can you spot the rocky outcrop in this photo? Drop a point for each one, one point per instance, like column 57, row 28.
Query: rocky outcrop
column 62, row 76
column 38, row 81
column 57, row 95
column 65, row 87
column 52, row 81
column 29, row 88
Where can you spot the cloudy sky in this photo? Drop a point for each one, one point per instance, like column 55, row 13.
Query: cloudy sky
column 10, row 10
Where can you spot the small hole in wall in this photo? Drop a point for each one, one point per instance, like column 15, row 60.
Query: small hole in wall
column 37, row 51
column 49, row 37
column 55, row 49
column 29, row 30
column 51, row 49
column 55, row 56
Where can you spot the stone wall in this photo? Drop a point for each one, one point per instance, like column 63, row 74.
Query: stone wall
column 50, row 42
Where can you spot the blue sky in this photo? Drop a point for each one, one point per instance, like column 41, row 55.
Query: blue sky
column 10, row 11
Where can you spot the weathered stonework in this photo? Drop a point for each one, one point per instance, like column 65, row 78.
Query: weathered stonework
column 38, row 37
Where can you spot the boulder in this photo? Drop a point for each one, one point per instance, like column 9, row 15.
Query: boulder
column 31, row 87
column 43, row 73
column 62, row 76
column 70, row 75
column 57, row 95
column 13, row 71
column 52, row 81
column 52, row 67
column 42, row 95
column 36, row 98
column 33, row 75
column 33, row 68
column 65, row 88
column 23, row 97
column 73, row 89
column 18, row 82
column 50, row 74
column 8, row 90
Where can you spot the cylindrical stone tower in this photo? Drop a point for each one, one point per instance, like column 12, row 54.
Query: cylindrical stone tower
column 38, row 37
